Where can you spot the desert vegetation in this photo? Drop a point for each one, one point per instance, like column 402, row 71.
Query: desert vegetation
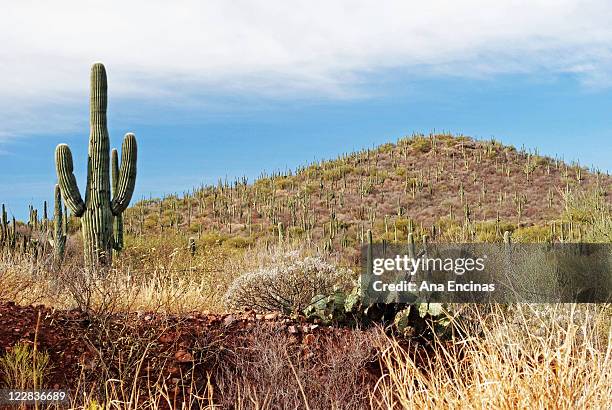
column 245, row 295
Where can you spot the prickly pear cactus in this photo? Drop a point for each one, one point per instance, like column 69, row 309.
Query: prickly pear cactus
column 423, row 318
column 98, row 210
column 329, row 309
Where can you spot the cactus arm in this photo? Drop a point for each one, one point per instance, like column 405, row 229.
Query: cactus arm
column 117, row 219
column 127, row 175
column 114, row 171
column 67, row 181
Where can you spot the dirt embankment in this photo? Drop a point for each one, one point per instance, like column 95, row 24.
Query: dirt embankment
column 178, row 349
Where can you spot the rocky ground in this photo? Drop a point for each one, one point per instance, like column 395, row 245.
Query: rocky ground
column 183, row 350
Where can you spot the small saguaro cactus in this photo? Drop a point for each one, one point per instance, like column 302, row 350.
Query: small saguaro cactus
column 192, row 246
column 370, row 254
column 59, row 233
column 280, row 233
column 97, row 210
column 4, row 232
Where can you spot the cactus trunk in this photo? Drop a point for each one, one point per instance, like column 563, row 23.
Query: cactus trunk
column 97, row 220
column 97, row 211
column 59, row 233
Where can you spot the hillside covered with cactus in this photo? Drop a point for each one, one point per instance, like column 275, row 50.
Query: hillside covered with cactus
column 451, row 188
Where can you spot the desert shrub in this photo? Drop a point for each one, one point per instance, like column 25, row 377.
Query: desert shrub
column 283, row 182
column 333, row 372
column 195, row 228
column 295, row 231
column 213, row 238
column 531, row 234
column 238, row 242
column 22, row 367
column 288, row 285
column 263, row 185
column 337, row 173
column 421, row 144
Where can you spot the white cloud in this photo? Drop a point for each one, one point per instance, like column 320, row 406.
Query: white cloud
column 157, row 49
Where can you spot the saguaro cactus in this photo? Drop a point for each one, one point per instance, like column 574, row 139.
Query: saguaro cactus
column 59, row 233
column 4, row 231
column 97, row 211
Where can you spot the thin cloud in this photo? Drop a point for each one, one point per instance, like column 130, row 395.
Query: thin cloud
column 160, row 51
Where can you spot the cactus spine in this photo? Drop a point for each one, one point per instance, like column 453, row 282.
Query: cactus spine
column 97, row 211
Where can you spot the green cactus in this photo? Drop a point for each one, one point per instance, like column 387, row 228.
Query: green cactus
column 13, row 236
column 281, row 236
column 192, row 246
column 98, row 210
column 118, row 219
column 369, row 255
column 411, row 246
column 59, row 233
column 4, row 232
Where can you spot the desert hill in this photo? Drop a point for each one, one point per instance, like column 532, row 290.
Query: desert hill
column 452, row 188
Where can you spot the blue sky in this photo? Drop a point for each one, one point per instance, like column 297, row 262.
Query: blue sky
column 214, row 90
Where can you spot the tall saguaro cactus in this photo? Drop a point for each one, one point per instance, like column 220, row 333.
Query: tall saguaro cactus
column 98, row 210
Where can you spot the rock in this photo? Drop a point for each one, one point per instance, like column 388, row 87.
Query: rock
column 166, row 338
column 229, row 320
column 308, row 339
column 183, row 356
column 271, row 316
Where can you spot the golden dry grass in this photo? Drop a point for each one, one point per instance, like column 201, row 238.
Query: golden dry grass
column 508, row 365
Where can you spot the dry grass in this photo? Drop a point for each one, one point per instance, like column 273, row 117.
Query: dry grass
column 507, row 365
column 153, row 274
